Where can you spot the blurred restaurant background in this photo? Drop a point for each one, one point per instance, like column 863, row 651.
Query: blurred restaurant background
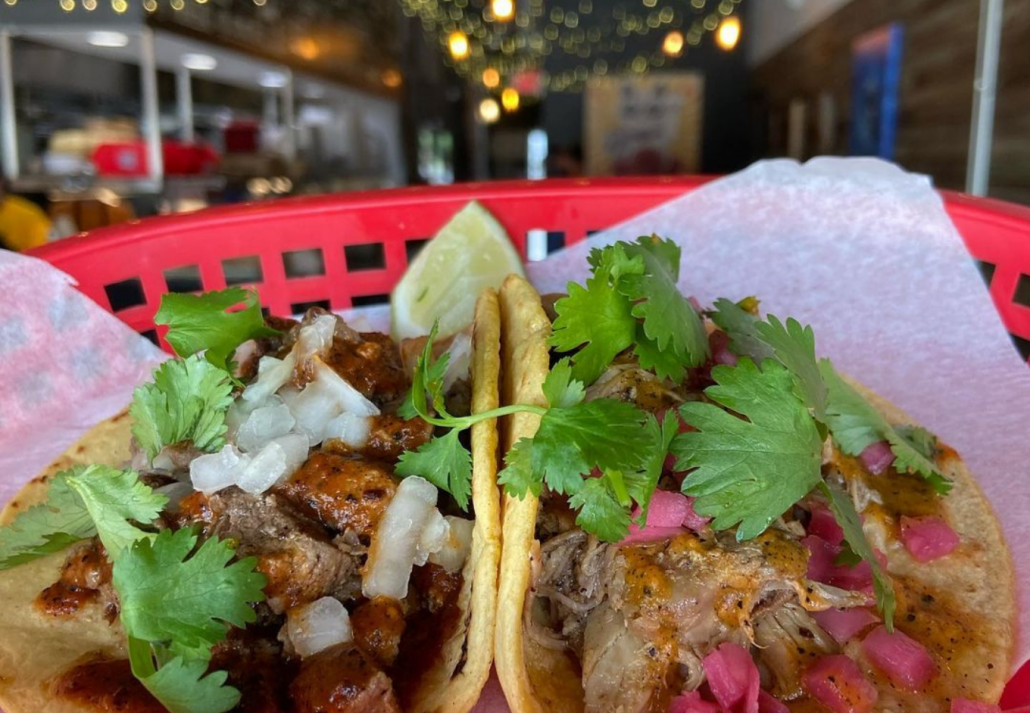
column 116, row 109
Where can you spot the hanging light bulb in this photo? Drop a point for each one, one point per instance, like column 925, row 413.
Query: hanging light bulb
column 728, row 34
column 489, row 111
column 503, row 10
column 491, row 78
column 119, row 6
column 673, row 44
column 67, row 5
column 510, row 99
column 458, row 44
column 89, row 5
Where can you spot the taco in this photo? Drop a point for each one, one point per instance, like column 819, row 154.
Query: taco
column 700, row 516
column 259, row 531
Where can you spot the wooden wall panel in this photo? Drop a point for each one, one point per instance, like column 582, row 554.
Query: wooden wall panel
column 936, row 94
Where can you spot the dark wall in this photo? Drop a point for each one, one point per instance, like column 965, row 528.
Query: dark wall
column 725, row 131
column 936, row 91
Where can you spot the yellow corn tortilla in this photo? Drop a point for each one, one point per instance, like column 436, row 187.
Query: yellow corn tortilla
column 978, row 576
column 36, row 648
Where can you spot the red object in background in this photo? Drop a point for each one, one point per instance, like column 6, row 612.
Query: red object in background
column 129, row 159
column 396, row 221
column 242, row 137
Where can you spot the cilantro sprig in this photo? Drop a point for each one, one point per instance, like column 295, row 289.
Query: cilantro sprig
column 631, row 299
column 187, row 401
column 176, row 600
column 204, row 323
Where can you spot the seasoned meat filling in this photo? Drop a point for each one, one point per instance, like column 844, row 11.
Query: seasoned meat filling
column 342, row 679
column 342, row 493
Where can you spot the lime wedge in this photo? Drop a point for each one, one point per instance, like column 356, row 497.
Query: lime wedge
column 469, row 254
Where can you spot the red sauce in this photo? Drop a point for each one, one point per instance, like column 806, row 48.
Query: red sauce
column 106, row 686
column 428, row 629
column 62, row 599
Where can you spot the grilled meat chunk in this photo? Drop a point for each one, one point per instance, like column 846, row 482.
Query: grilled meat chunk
column 389, row 436
column 626, row 381
column 342, row 679
column 85, row 577
column 378, row 625
column 298, row 559
column 788, row 640
column 342, row 493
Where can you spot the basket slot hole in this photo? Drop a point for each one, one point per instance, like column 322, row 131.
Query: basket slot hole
column 150, row 334
column 304, row 263
column 986, row 271
column 413, row 247
column 299, row 308
column 555, row 241
column 184, row 279
column 536, row 244
column 1022, row 346
column 242, row 270
column 125, row 294
column 366, row 256
column 1022, row 296
column 369, row 300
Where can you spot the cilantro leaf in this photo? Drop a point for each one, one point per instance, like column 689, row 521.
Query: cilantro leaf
column 181, row 685
column 187, row 401
column 597, row 318
column 46, row 528
column 665, row 364
column 201, row 323
column 81, row 503
column 857, row 424
column 847, row 517
column 794, row 346
column 670, row 321
column 518, row 476
column 641, row 485
column 427, row 380
column 924, row 442
column 171, row 594
column 444, row 462
column 560, row 389
column 571, row 442
column 600, row 511
column 752, row 470
column 742, row 328
column 115, row 499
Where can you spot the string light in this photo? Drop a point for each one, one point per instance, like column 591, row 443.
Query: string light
column 503, row 10
column 510, row 99
column 150, row 5
column 729, row 33
column 12, row 3
column 89, row 5
column 67, row 5
column 118, row 6
column 178, row 5
column 491, row 78
column 391, row 78
column 260, row 3
column 673, row 44
column 489, row 111
column 458, row 44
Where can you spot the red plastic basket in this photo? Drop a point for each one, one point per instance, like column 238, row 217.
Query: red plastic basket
column 383, row 229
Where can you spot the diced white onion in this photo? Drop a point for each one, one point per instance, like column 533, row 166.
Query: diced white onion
column 434, row 537
column 262, row 470
column 263, row 425
column 394, row 547
column 456, row 549
column 272, row 375
column 295, row 447
column 313, row 408
column 317, row 626
column 350, row 399
column 349, row 428
column 215, row 471
column 315, row 338
column 163, row 461
column 175, row 492
column 458, row 364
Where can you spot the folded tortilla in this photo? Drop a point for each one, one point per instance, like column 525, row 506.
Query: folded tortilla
column 977, row 580
column 36, row 648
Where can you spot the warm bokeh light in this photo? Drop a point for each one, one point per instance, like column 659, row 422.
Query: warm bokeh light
column 392, row 78
column 458, row 44
column 491, row 77
column 489, row 111
column 510, row 99
column 728, row 34
column 305, row 48
column 673, row 44
column 119, row 6
column 503, row 10
column 67, row 5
